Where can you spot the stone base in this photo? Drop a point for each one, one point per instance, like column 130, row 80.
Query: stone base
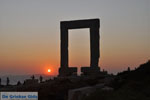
column 68, row 71
column 90, row 70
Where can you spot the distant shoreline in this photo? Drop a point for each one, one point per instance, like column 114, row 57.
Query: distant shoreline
column 15, row 78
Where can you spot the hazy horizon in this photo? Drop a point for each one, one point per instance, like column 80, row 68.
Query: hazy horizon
column 30, row 34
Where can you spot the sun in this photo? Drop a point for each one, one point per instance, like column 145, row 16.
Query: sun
column 49, row 70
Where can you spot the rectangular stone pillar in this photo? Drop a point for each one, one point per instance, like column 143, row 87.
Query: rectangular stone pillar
column 64, row 48
column 94, row 46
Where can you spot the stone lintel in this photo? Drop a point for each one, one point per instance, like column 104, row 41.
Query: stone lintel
column 77, row 24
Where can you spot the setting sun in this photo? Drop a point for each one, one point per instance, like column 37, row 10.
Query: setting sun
column 49, row 70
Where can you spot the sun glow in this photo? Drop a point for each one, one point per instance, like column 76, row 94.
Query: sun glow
column 49, row 70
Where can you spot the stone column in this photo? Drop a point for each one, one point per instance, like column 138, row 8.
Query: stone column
column 64, row 47
column 94, row 46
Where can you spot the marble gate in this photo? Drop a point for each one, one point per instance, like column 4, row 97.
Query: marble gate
column 93, row 25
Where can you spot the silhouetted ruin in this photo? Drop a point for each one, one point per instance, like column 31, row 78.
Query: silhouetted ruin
column 33, row 77
column 41, row 79
column 7, row 81
column 18, row 83
column 0, row 81
column 94, row 25
column 31, row 81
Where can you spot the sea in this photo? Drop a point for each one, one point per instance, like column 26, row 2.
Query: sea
column 15, row 78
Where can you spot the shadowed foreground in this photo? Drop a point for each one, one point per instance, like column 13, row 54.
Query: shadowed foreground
column 127, row 85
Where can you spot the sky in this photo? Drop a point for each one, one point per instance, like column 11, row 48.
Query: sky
column 30, row 34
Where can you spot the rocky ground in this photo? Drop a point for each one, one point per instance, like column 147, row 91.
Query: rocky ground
column 127, row 85
column 56, row 89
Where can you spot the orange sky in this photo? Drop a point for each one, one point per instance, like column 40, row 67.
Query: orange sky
column 30, row 34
